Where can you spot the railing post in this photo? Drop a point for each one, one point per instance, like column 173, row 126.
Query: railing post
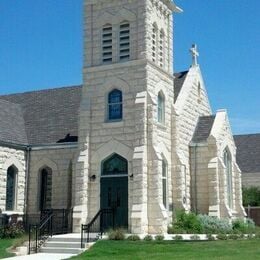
column 36, row 240
column 81, row 235
column 29, row 239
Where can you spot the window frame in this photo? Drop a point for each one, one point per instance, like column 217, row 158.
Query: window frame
column 121, row 56
column 104, row 59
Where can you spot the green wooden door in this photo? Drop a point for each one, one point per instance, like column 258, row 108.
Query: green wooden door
column 114, row 194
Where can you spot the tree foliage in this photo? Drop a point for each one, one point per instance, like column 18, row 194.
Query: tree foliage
column 251, row 196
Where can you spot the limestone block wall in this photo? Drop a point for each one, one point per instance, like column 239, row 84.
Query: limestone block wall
column 61, row 162
column 192, row 103
column 224, row 140
column 100, row 138
column 250, row 179
column 159, row 149
column 17, row 158
column 102, row 12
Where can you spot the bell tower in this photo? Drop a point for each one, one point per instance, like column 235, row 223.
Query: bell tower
column 128, row 59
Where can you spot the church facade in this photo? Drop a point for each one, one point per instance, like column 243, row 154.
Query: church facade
column 135, row 137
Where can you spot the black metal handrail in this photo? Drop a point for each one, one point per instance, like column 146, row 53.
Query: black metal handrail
column 38, row 234
column 103, row 219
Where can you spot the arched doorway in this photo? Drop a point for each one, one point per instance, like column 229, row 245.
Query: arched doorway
column 114, row 188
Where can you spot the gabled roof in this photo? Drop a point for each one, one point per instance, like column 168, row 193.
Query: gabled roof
column 248, row 152
column 179, row 79
column 203, row 129
column 50, row 116
column 12, row 125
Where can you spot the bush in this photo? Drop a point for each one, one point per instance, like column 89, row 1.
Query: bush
column 148, row 238
column 234, row 236
column 177, row 237
column 11, row 231
column 133, row 238
column 116, row 234
column 213, row 225
column 222, row 237
column 159, row 238
column 195, row 237
column 239, row 225
column 187, row 222
column 210, row 237
column 251, row 196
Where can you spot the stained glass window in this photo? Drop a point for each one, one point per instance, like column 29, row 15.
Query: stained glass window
column 115, row 165
column 115, row 105
column 228, row 173
column 10, row 188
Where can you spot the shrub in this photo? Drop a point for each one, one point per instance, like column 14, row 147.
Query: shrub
column 116, row 234
column 11, row 231
column 242, row 226
column 133, row 238
column 177, row 237
column 195, row 237
column 210, row 237
column 222, row 237
column 234, row 236
column 186, row 221
column 148, row 238
column 211, row 225
column 159, row 238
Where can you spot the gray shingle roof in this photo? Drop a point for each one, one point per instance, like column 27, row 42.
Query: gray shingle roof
column 50, row 116
column 179, row 79
column 203, row 129
column 12, row 125
column 248, row 152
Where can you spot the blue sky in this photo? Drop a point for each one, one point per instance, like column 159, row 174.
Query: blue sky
column 41, row 47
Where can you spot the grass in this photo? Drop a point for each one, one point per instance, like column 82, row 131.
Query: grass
column 4, row 244
column 7, row 243
column 126, row 250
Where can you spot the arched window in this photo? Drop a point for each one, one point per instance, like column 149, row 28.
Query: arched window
column 164, row 183
column 228, row 176
column 107, row 36
column 115, row 165
column 11, row 187
column 154, row 42
column 45, row 188
column 115, row 105
column 161, row 108
column 124, row 41
column 162, row 49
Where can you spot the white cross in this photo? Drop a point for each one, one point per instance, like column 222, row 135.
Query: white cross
column 195, row 54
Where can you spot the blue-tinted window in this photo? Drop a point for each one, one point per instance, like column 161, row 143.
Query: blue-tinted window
column 115, row 105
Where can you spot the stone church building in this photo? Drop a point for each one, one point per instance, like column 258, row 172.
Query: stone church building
column 136, row 136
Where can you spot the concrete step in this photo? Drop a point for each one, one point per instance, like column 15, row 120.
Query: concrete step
column 61, row 250
column 62, row 244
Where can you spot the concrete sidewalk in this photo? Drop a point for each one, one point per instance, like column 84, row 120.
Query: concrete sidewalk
column 41, row 256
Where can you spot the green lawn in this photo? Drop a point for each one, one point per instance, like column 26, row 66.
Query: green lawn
column 4, row 244
column 126, row 250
